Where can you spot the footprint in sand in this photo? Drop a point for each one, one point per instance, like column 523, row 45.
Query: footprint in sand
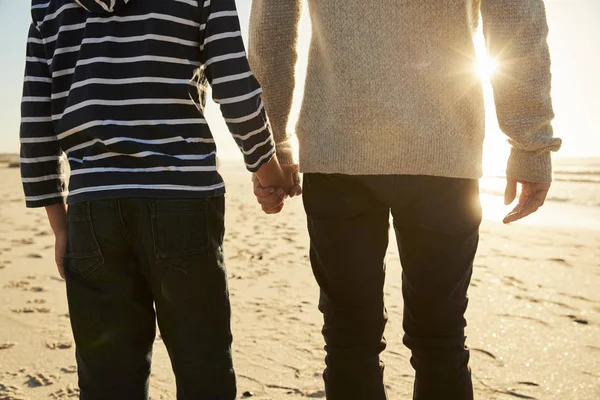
column 487, row 353
column 8, row 392
column 576, row 297
column 25, row 286
column 7, row 345
column 31, row 310
column 578, row 320
column 537, row 301
column 36, row 301
column 71, row 369
column 59, row 345
column 526, row 383
column 17, row 285
column 560, row 261
column 518, row 395
column 3, row 375
column 40, row 379
column 539, row 321
column 34, row 255
column 22, row 242
column 66, row 393
column 511, row 281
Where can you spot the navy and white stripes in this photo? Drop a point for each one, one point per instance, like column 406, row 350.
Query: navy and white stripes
column 118, row 94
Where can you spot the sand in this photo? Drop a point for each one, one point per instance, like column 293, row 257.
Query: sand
column 534, row 314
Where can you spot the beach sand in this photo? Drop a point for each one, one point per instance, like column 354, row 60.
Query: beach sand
column 534, row 312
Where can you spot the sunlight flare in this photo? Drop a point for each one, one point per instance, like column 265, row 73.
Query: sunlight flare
column 486, row 66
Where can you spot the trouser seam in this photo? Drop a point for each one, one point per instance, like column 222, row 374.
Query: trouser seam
column 122, row 223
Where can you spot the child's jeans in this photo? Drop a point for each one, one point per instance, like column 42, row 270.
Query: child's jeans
column 133, row 261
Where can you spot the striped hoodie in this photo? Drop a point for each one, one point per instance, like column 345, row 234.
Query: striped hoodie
column 117, row 87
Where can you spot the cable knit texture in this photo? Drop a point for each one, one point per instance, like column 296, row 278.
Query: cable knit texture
column 392, row 86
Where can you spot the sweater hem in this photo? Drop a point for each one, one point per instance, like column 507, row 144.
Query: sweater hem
column 144, row 193
column 440, row 156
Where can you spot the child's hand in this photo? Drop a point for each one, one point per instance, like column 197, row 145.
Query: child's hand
column 271, row 175
column 271, row 200
column 57, row 216
column 60, row 249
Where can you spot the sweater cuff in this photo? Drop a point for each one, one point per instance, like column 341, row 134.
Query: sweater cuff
column 530, row 166
column 285, row 154
column 59, row 199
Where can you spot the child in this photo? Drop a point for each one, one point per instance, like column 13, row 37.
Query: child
column 108, row 84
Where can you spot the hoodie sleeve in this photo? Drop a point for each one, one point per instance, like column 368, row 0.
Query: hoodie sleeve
column 41, row 170
column 234, row 87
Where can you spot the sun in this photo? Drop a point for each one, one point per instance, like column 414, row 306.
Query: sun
column 486, row 66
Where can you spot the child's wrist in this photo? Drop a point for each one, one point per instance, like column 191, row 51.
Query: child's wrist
column 269, row 173
column 57, row 217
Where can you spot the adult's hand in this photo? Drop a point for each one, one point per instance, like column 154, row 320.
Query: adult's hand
column 271, row 175
column 533, row 196
column 272, row 199
column 292, row 170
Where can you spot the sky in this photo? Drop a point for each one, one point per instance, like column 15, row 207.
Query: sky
column 574, row 37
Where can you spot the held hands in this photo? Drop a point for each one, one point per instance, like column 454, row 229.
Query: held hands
column 273, row 183
column 533, row 196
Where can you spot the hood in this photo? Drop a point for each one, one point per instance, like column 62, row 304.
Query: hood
column 102, row 6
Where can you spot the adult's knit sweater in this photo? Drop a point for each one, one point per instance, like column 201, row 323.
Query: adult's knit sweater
column 392, row 85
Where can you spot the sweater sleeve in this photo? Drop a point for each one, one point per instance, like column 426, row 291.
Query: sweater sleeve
column 516, row 35
column 41, row 169
column 234, row 87
column 273, row 55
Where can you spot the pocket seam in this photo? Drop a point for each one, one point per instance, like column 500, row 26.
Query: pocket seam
column 165, row 261
column 162, row 258
column 91, row 269
column 87, row 218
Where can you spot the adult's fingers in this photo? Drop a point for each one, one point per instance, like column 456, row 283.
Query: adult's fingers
column 268, row 198
column 273, row 200
column 522, row 210
column 533, row 196
column 275, row 210
column 510, row 193
column 261, row 192
column 277, row 196
column 296, row 191
column 292, row 176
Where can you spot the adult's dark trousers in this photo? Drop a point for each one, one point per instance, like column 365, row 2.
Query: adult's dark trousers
column 436, row 221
